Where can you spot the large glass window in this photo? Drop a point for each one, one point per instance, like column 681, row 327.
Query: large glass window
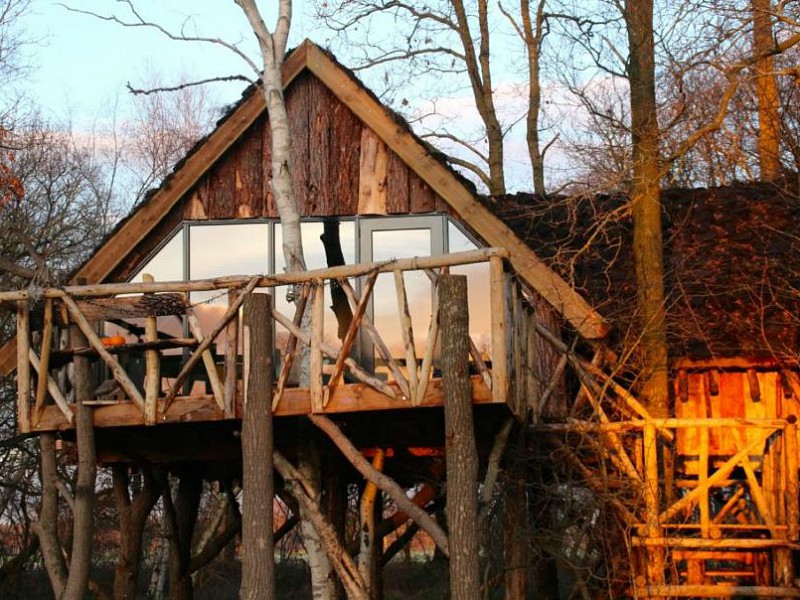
column 207, row 250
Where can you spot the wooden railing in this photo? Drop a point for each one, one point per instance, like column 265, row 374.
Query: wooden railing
column 44, row 356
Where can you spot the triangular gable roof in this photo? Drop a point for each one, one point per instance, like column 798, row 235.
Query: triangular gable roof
column 397, row 136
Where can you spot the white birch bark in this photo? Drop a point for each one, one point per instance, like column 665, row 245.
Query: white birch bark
column 273, row 48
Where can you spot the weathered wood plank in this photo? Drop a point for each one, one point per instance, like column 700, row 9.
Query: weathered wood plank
column 345, row 151
column 317, row 334
column 319, row 121
column 396, row 185
column 221, row 185
column 248, row 168
column 352, row 397
column 420, row 195
column 231, row 354
column 372, row 175
column 497, row 301
column 297, row 98
column 270, row 208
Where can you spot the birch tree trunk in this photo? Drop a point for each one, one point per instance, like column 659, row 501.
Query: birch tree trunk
column 273, row 48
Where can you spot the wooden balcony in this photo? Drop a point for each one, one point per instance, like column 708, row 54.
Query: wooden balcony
column 155, row 377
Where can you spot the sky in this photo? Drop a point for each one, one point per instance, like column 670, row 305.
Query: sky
column 81, row 64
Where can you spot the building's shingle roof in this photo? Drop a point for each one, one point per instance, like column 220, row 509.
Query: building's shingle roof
column 732, row 263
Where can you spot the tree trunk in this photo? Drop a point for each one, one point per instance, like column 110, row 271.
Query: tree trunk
column 460, row 451
column 769, row 122
column 132, row 519
column 258, row 568
column 83, row 511
column 646, row 206
column 47, row 528
column 516, row 533
column 181, row 518
column 533, row 33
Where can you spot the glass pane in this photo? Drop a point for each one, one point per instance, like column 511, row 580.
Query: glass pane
column 314, row 253
column 405, row 243
column 219, row 250
column 167, row 264
column 480, row 319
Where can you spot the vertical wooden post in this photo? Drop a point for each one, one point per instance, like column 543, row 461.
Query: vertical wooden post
column 44, row 364
column 231, row 358
column 83, row 512
column 655, row 563
column 792, row 502
column 258, row 569
column 23, row 368
column 460, row 451
column 317, row 334
column 531, row 362
column 497, row 300
column 518, row 340
column 152, row 375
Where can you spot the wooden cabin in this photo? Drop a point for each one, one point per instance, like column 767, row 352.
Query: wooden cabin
column 727, row 519
column 382, row 216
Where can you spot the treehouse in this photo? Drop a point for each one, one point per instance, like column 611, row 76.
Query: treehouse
column 720, row 490
column 383, row 216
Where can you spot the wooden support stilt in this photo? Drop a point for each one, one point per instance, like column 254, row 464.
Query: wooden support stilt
column 152, row 376
column 44, row 365
column 460, row 450
column 23, row 368
column 231, row 355
column 317, row 333
column 116, row 369
column 531, row 360
column 258, row 570
column 369, row 552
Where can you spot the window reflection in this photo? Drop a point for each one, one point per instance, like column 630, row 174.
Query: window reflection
column 480, row 318
column 316, row 258
column 387, row 245
column 220, row 250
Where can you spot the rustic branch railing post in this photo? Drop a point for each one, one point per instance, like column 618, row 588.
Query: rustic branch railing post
column 152, row 376
column 116, row 369
column 208, row 361
column 231, row 356
column 407, row 333
column 291, row 345
column 655, row 563
column 317, row 337
column 44, row 364
column 23, row 367
column 497, row 298
column 258, row 569
column 460, row 450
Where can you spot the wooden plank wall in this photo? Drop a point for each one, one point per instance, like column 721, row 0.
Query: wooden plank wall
column 336, row 160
